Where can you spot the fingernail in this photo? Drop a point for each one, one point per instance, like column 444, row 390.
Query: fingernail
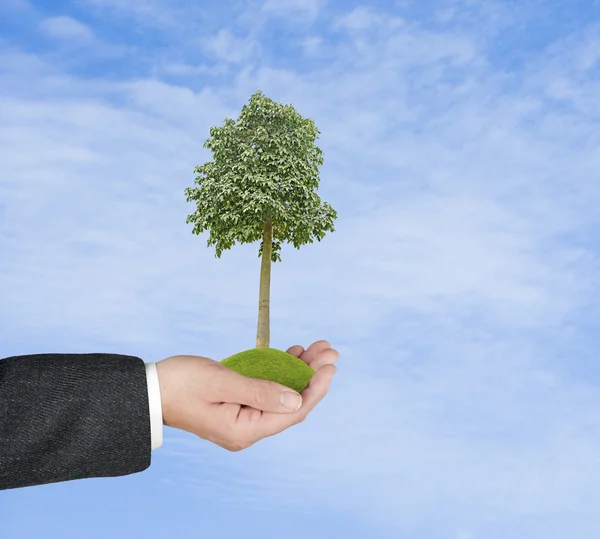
column 290, row 400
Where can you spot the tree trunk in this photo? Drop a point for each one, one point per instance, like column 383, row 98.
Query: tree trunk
column 263, row 333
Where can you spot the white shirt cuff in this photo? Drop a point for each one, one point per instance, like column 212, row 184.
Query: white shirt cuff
column 154, row 402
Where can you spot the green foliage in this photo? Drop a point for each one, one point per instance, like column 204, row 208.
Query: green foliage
column 265, row 167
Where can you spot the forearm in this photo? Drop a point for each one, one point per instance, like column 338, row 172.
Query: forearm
column 72, row 416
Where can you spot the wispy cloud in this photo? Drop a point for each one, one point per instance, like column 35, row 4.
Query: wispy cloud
column 293, row 8
column 312, row 45
column 229, row 48
column 18, row 6
column 156, row 14
column 360, row 18
column 458, row 286
column 66, row 28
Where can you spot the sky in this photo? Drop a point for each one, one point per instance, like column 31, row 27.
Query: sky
column 461, row 287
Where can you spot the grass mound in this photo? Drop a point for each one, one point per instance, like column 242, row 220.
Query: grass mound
column 271, row 364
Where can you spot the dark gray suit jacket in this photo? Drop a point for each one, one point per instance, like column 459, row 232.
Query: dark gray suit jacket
column 72, row 416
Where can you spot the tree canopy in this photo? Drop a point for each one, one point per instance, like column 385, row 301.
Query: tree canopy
column 265, row 169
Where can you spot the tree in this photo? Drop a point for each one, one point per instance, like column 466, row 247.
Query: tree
column 261, row 185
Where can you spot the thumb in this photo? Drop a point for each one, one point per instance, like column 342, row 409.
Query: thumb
column 263, row 395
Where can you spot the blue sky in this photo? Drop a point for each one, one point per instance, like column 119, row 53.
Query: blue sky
column 462, row 152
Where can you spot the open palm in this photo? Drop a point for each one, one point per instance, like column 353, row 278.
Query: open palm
column 253, row 424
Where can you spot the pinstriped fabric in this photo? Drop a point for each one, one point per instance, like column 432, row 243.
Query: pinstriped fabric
column 72, row 416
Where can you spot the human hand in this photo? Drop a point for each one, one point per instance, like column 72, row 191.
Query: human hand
column 201, row 396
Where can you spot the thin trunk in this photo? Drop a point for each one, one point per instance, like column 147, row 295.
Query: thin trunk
column 263, row 333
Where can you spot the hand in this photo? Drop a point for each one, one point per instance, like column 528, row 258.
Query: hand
column 217, row 404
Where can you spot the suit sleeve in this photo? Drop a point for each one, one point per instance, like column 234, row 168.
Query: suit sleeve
column 72, row 416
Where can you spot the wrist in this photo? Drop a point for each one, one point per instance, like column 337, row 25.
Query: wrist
column 165, row 392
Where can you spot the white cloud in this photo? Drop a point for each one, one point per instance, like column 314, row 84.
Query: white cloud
column 66, row 28
column 312, row 45
column 450, row 287
column 293, row 8
column 228, row 48
column 182, row 69
column 156, row 14
column 16, row 5
column 361, row 18
column 484, row 18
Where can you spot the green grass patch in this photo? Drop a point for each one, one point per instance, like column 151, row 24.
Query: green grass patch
column 271, row 364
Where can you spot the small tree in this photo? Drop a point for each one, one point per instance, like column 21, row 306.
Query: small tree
column 261, row 186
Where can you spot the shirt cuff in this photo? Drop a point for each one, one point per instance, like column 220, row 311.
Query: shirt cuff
column 154, row 402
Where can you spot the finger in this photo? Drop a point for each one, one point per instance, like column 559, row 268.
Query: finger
column 295, row 350
column 328, row 356
column 264, row 395
column 271, row 424
column 317, row 357
column 313, row 351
